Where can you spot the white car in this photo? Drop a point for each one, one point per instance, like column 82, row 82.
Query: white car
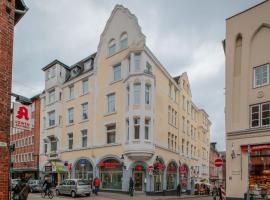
column 74, row 187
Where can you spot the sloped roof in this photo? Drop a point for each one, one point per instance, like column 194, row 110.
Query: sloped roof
column 20, row 10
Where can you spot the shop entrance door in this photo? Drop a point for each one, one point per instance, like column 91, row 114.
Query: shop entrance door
column 138, row 181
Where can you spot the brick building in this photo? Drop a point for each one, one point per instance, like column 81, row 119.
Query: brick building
column 26, row 154
column 215, row 174
column 11, row 12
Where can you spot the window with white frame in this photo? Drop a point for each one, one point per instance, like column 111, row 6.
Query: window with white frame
column 87, row 65
column 84, row 138
column 70, row 140
column 111, row 47
column 127, row 128
column 71, row 92
column 85, row 87
column 53, row 144
column 124, row 41
column 51, row 118
column 260, row 115
column 146, row 129
column 111, row 103
column 147, row 94
column 137, row 93
column 71, row 115
column 128, row 96
column 111, row 133
column 52, row 96
column 136, row 128
column 117, row 72
column 261, row 75
column 137, row 61
column 84, row 111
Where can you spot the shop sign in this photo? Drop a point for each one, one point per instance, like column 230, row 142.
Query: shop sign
column 159, row 166
column 48, row 168
column 109, row 165
column 139, row 168
column 218, row 162
column 172, row 169
column 82, row 162
column 21, row 116
column 60, row 168
column 183, row 170
column 256, row 147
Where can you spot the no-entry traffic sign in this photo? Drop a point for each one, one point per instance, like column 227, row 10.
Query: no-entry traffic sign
column 218, row 162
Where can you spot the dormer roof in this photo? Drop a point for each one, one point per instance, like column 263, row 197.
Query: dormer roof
column 53, row 63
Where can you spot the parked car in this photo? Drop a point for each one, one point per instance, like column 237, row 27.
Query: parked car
column 35, row 185
column 14, row 182
column 74, row 187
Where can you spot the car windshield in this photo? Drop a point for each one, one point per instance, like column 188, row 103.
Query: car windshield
column 82, row 182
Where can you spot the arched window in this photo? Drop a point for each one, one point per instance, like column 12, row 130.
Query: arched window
column 158, row 174
column 83, row 169
column 111, row 47
column 238, row 55
column 171, row 176
column 124, row 41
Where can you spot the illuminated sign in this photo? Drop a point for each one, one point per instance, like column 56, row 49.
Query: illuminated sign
column 21, row 116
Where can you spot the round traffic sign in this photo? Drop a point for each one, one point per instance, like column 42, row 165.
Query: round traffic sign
column 218, row 162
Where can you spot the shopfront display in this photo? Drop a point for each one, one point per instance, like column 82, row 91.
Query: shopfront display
column 83, row 169
column 158, row 174
column 139, row 176
column 111, row 174
column 184, row 177
column 259, row 176
column 171, row 176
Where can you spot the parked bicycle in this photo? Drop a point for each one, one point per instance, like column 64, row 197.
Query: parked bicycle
column 48, row 193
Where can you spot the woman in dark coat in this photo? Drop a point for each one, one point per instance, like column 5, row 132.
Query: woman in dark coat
column 131, row 185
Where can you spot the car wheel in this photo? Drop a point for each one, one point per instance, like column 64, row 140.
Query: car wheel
column 88, row 194
column 73, row 194
column 57, row 193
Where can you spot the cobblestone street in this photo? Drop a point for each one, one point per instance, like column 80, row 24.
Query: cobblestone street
column 116, row 196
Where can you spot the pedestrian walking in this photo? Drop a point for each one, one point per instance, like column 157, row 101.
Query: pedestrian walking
column 215, row 192
column 220, row 192
column 21, row 190
column 178, row 190
column 97, row 185
column 131, row 186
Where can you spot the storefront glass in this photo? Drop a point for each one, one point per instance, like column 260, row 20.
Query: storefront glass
column 84, row 170
column 171, row 176
column 259, row 179
column 139, row 176
column 184, row 177
column 158, row 174
column 111, row 174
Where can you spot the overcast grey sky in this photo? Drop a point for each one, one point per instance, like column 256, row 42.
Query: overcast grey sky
column 185, row 35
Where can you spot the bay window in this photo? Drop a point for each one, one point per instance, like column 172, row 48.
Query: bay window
column 117, row 72
column 146, row 129
column 136, row 128
column 137, row 61
column 137, row 93
column 147, row 94
column 51, row 118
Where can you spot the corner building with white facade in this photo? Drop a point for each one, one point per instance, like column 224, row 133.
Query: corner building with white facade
column 119, row 114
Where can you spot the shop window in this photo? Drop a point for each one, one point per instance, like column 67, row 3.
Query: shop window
column 83, row 170
column 171, row 176
column 184, row 177
column 111, row 174
column 111, row 130
column 136, row 128
column 158, row 174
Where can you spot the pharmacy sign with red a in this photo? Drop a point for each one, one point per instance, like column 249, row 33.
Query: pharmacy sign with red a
column 21, row 116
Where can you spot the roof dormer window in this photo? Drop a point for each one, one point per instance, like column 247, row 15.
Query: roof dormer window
column 75, row 71
column 87, row 65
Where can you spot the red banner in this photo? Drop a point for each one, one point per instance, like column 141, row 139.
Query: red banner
column 256, row 147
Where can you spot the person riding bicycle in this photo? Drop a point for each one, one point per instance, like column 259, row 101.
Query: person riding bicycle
column 46, row 186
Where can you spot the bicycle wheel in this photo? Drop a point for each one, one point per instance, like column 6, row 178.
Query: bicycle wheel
column 43, row 194
column 50, row 195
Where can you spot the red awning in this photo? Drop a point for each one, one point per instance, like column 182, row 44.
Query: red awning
column 256, row 147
